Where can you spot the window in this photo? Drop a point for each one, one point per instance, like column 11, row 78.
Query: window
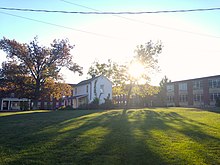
column 170, row 88
column 170, row 99
column 38, row 104
column 87, row 88
column 183, row 86
column 214, row 96
column 75, row 91
column 197, row 85
column 183, row 98
column 95, row 88
column 214, row 83
column 198, row 97
column 101, row 88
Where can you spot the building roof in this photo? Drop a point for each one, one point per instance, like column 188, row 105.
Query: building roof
column 208, row 77
column 84, row 82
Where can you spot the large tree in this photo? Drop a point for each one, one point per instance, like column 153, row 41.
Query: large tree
column 38, row 64
column 143, row 63
column 125, row 77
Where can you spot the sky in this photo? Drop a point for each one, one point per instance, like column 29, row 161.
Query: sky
column 191, row 41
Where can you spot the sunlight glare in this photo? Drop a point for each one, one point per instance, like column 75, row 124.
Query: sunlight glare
column 136, row 70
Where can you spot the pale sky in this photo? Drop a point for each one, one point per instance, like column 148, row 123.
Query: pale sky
column 191, row 40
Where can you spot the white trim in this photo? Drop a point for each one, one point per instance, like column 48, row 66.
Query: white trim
column 10, row 100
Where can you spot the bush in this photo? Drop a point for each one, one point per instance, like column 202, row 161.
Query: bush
column 94, row 104
column 68, row 107
column 83, row 106
column 107, row 105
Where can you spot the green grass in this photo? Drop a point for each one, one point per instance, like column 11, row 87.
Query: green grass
column 141, row 136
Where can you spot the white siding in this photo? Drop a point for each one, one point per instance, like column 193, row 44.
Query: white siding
column 107, row 88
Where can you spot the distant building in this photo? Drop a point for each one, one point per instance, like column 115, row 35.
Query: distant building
column 14, row 104
column 86, row 91
column 82, row 93
column 196, row 92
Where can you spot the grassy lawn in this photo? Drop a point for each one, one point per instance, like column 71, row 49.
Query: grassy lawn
column 143, row 136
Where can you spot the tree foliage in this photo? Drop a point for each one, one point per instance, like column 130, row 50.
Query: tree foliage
column 162, row 91
column 164, row 81
column 145, row 55
column 36, row 64
column 112, row 70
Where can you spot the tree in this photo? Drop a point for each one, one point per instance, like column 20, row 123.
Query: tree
column 13, row 81
column 55, row 89
column 146, row 55
column 112, row 70
column 161, row 96
column 125, row 77
column 164, row 82
column 39, row 63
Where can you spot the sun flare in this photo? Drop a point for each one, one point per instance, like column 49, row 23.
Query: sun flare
column 136, row 70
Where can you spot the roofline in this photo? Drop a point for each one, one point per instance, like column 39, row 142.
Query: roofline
column 89, row 80
column 200, row 78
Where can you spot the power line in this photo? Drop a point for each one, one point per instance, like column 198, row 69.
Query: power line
column 103, row 35
column 110, row 13
column 60, row 26
column 143, row 22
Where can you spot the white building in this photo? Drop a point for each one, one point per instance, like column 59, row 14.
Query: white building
column 86, row 91
column 8, row 104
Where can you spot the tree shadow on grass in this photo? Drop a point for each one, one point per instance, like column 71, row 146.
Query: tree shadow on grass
column 101, row 137
column 104, row 138
column 161, row 126
column 20, row 135
column 119, row 146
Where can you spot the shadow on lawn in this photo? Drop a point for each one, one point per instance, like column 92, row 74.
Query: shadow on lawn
column 174, row 122
column 20, row 140
column 119, row 146
column 96, row 137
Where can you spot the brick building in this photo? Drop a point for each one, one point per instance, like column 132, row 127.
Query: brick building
column 197, row 92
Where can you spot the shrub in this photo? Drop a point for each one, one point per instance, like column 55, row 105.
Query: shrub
column 83, row 106
column 68, row 107
column 94, row 104
column 107, row 105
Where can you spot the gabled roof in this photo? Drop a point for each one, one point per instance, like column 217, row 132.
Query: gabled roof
column 84, row 82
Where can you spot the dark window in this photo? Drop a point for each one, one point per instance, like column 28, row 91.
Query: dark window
column 183, row 98
column 198, row 97
column 87, row 88
column 197, row 85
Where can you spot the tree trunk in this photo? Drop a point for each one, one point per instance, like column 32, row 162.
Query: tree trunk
column 36, row 95
column 128, row 96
